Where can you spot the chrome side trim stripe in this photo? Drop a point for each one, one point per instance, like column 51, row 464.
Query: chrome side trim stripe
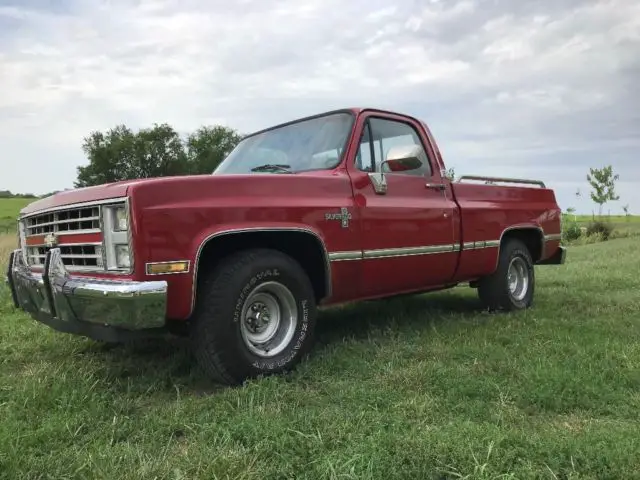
column 345, row 256
column 552, row 237
column 423, row 250
column 481, row 244
column 392, row 252
column 409, row 251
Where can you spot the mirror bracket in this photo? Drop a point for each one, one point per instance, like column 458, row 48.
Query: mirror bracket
column 379, row 182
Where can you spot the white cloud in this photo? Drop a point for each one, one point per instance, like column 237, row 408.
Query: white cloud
column 545, row 89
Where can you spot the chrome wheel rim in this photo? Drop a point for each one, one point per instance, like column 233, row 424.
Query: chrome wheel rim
column 269, row 319
column 518, row 278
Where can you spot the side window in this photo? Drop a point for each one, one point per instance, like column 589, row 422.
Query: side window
column 392, row 136
column 364, row 161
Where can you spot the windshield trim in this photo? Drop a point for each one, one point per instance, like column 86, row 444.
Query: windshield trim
column 350, row 112
column 302, row 119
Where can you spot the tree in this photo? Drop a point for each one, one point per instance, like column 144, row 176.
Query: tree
column 122, row 154
column 208, row 146
column 603, row 183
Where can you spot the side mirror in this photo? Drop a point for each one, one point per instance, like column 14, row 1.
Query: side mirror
column 403, row 158
column 399, row 159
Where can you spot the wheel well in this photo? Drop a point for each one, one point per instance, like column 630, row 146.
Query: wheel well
column 305, row 248
column 531, row 237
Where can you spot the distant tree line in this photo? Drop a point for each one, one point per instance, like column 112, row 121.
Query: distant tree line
column 123, row 154
column 9, row 194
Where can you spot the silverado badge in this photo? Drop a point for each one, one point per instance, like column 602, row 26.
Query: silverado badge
column 51, row 240
column 344, row 216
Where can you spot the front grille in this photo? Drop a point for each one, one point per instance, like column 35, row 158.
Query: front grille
column 73, row 220
column 85, row 233
column 77, row 257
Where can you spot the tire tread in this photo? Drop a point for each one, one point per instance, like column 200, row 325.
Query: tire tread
column 215, row 291
column 492, row 289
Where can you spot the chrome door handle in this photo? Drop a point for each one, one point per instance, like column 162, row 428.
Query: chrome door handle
column 436, row 186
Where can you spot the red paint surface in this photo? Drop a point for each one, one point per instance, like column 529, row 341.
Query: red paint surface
column 172, row 217
column 82, row 238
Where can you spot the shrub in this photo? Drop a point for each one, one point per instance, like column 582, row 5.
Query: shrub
column 601, row 228
column 571, row 232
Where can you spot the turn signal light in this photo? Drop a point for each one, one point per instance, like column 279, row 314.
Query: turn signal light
column 167, row 267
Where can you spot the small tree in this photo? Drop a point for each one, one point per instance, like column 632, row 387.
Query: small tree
column 572, row 211
column 603, row 183
column 625, row 209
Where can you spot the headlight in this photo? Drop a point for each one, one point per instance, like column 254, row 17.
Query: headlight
column 116, row 229
column 123, row 257
column 120, row 220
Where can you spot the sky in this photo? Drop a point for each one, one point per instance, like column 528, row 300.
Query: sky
column 532, row 89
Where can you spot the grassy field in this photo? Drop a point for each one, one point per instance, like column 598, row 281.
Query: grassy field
column 426, row 387
column 9, row 210
column 621, row 223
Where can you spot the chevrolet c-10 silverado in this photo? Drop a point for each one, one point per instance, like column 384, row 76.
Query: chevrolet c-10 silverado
column 344, row 206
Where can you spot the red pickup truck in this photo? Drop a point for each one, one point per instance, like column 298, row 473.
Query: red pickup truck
column 344, row 206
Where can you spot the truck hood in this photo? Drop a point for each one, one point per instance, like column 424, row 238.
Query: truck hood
column 81, row 195
column 183, row 186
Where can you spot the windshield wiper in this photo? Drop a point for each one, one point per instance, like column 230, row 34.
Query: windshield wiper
column 272, row 166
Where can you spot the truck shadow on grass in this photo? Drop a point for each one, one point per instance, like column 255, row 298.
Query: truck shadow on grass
column 161, row 364
column 359, row 321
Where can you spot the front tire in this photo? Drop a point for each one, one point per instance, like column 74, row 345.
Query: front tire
column 255, row 315
column 512, row 285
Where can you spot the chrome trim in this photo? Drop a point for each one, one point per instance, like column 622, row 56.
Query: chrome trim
column 35, row 259
column 552, row 237
column 104, row 209
column 502, row 179
column 95, row 244
column 72, row 232
column 22, row 243
column 379, row 182
column 56, row 222
column 409, row 251
column 74, row 205
column 146, row 267
column 63, row 222
column 345, row 256
column 522, row 227
column 327, row 263
column 481, row 244
column 56, row 294
column 111, row 238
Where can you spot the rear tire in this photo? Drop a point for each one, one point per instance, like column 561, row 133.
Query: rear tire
column 512, row 285
column 255, row 315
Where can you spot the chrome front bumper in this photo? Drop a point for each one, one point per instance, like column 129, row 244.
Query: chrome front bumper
column 104, row 309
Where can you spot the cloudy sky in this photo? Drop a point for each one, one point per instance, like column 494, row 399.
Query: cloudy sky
column 542, row 89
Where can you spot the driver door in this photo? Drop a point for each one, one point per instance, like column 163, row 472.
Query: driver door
column 407, row 232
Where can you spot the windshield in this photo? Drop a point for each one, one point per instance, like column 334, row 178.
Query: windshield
column 311, row 144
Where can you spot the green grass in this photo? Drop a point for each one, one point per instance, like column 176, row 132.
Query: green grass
column 9, row 211
column 424, row 387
